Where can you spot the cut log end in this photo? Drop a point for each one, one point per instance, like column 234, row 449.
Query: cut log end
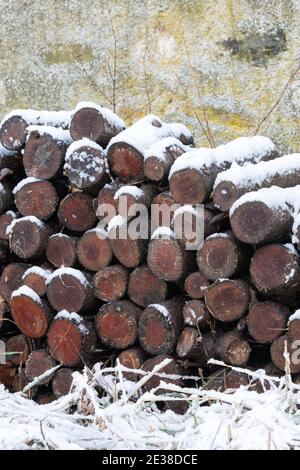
column 225, row 194
column 94, row 251
column 43, row 156
column 37, row 198
column 266, row 321
column 13, row 133
column 278, row 354
column 166, row 259
column 132, row 358
column 62, row 382
column 145, row 288
column 61, row 250
column 195, row 285
column 171, row 369
column 18, row 349
column 188, row 187
column 111, row 283
column 37, row 364
column 196, row 314
column 32, row 317
column 227, row 300
column 67, row 292
column 76, row 212
column 125, row 162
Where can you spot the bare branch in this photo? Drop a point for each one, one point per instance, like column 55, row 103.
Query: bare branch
column 146, row 80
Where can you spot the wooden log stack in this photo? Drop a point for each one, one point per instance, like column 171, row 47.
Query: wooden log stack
column 74, row 290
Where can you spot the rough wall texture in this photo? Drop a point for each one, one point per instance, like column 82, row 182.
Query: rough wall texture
column 174, row 57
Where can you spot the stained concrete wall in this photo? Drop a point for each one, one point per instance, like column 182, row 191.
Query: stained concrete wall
column 175, row 57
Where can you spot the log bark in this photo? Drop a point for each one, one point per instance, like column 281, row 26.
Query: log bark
column 62, row 382
column 195, row 285
column 267, row 321
column 221, row 256
column 69, row 289
column 275, row 272
column 6, row 322
column 93, row 250
column 19, row 349
column 194, row 345
column 7, row 374
column 76, row 212
column 116, row 323
column 6, row 196
column 92, row 122
column 111, row 283
column 11, row 279
column 145, row 288
column 172, row 369
column 278, row 354
column 44, row 155
column 61, row 250
column 32, row 314
column 37, row 198
column 5, row 220
column 85, row 166
column 132, row 358
column 227, row 300
column 157, row 166
column 160, row 325
column 37, row 364
column 232, row 348
column 28, row 237
column 36, row 279
column 71, row 341
column 197, row 315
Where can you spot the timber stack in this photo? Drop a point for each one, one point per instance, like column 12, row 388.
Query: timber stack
column 78, row 287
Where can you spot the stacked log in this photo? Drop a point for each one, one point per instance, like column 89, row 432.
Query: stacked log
column 82, row 279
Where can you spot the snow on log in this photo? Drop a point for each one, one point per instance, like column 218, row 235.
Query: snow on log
column 195, row 285
column 160, row 157
column 196, row 314
column 36, row 197
column 196, row 346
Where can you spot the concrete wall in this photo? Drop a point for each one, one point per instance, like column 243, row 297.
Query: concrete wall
column 231, row 56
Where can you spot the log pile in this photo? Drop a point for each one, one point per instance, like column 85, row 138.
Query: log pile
column 74, row 292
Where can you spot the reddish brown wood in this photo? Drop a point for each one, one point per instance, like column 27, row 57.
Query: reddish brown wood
column 70, row 290
column 132, row 358
column 71, row 341
column 11, row 279
column 221, row 256
column 160, row 325
column 266, row 321
column 31, row 314
column 194, row 345
column 227, row 300
column 294, row 329
column 38, row 198
column 106, row 198
column 168, row 259
column 37, row 364
column 76, row 212
column 130, row 197
column 7, row 374
column 145, row 288
column 28, row 237
column 44, row 398
column 62, row 382
column 278, row 354
column 18, row 348
column 13, row 132
column 195, row 285
column 255, row 222
column 6, row 196
column 172, row 369
column 43, row 155
column 36, row 278
column 90, row 122
column 126, row 162
column 129, row 251
column 162, row 204
column 275, row 272
column 4, row 252
column 232, row 348
column 61, row 250
column 85, row 166
column 6, row 322
column 5, row 221
column 20, row 381
column 110, row 283
column 116, row 323
column 157, row 165
column 93, row 250
column 227, row 380
column 196, row 314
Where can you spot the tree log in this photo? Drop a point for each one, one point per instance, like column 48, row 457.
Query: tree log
column 162, row 211
column 227, row 300
column 95, row 122
column 69, row 289
column 129, row 197
column 62, row 382
column 232, row 348
column 193, row 345
column 93, row 250
column 266, row 321
column 172, row 369
column 61, row 250
column 31, row 314
column 278, row 354
column 106, row 196
column 28, row 237
column 160, row 325
column 196, row 314
column 71, row 340
column 275, row 272
column 160, row 157
column 129, row 250
column 38, row 198
column 36, row 279
column 37, row 364
column 7, row 374
column 6, row 196
column 145, row 288
column 116, row 323
column 18, row 348
column 110, row 283
column 5, row 220
column 195, row 285
column 76, row 212
column 221, row 256
column 132, row 358
column 11, row 279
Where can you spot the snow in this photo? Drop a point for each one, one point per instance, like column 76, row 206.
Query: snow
column 158, row 149
column 164, row 232
column 28, row 292
column 74, row 317
column 124, row 417
column 37, row 270
column 33, row 117
column 239, row 150
column 11, row 213
column 161, row 309
column 218, row 235
column 106, row 113
column 59, row 235
column 70, row 272
column 142, row 134
column 57, row 133
column 179, row 129
column 41, row 378
column 294, row 316
column 133, row 191
column 78, row 152
column 6, row 153
column 78, row 144
column 25, row 181
column 255, row 174
column 99, row 231
column 116, row 221
column 185, row 208
column 29, row 218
